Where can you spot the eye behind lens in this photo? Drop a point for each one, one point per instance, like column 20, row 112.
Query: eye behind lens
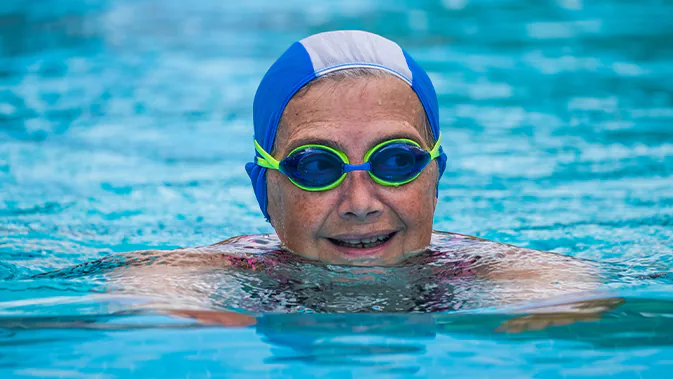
column 312, row 167
column 398, row 162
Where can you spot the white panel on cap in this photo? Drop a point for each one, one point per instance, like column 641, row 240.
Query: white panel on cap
column 339, row 50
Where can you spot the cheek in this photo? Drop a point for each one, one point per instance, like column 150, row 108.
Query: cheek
column 415, row 202
column 294, row 211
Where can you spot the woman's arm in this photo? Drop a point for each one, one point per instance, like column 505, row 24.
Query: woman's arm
column 525, row 274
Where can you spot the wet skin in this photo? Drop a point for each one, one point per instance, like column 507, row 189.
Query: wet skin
column 353, row 114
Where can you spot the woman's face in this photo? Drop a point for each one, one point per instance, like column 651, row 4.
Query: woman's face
column 359, row 222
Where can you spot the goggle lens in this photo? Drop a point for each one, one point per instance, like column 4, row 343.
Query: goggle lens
column 398, row 162
column 312, row 167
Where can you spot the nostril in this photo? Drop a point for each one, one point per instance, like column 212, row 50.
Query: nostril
column 362, row 214
column 359, row 199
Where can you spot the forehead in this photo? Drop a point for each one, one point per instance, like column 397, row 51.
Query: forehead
column 360, row 109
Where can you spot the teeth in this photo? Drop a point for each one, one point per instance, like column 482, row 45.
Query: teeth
column 367, row 240
column 364, row 242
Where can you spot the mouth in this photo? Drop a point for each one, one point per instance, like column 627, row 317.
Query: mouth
column 363, row 242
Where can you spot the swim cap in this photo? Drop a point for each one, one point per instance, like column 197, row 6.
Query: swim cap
column 318, row 55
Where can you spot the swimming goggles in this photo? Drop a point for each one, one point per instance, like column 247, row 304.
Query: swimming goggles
column 320, row 168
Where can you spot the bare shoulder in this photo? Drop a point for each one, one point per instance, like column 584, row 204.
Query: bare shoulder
column 501, row 260
column 237, row 251
column 512, row 274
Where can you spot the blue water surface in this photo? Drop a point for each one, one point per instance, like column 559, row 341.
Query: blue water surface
column 125, row 125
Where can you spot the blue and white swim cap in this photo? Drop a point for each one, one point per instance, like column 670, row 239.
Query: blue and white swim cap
column 318, row 55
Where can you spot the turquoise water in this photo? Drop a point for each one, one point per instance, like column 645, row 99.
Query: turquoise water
column 125, row 125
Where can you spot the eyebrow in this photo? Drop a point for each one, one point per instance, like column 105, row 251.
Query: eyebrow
column 337, row 146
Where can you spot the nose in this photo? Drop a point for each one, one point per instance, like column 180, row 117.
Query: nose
column 359, row 201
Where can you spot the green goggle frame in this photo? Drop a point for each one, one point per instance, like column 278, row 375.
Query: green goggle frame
column 269, row 162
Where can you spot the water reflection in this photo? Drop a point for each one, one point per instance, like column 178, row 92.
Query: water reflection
column 582, row 330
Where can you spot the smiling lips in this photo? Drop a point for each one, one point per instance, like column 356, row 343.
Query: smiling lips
column 362, row 242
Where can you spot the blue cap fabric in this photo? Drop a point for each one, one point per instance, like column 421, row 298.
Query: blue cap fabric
column 318, row 55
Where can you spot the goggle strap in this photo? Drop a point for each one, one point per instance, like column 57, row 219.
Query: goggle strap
column 434, row 153
column 259, row 161
column 266, row 160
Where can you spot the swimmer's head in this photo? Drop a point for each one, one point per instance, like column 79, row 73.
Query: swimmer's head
column 349, row 91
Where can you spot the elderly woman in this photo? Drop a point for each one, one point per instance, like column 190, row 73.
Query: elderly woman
column 348, row 150
column 348, row 160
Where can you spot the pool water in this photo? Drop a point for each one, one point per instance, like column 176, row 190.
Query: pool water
column 125, row 125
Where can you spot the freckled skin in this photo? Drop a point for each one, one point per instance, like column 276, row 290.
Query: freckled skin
column 355, row 113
